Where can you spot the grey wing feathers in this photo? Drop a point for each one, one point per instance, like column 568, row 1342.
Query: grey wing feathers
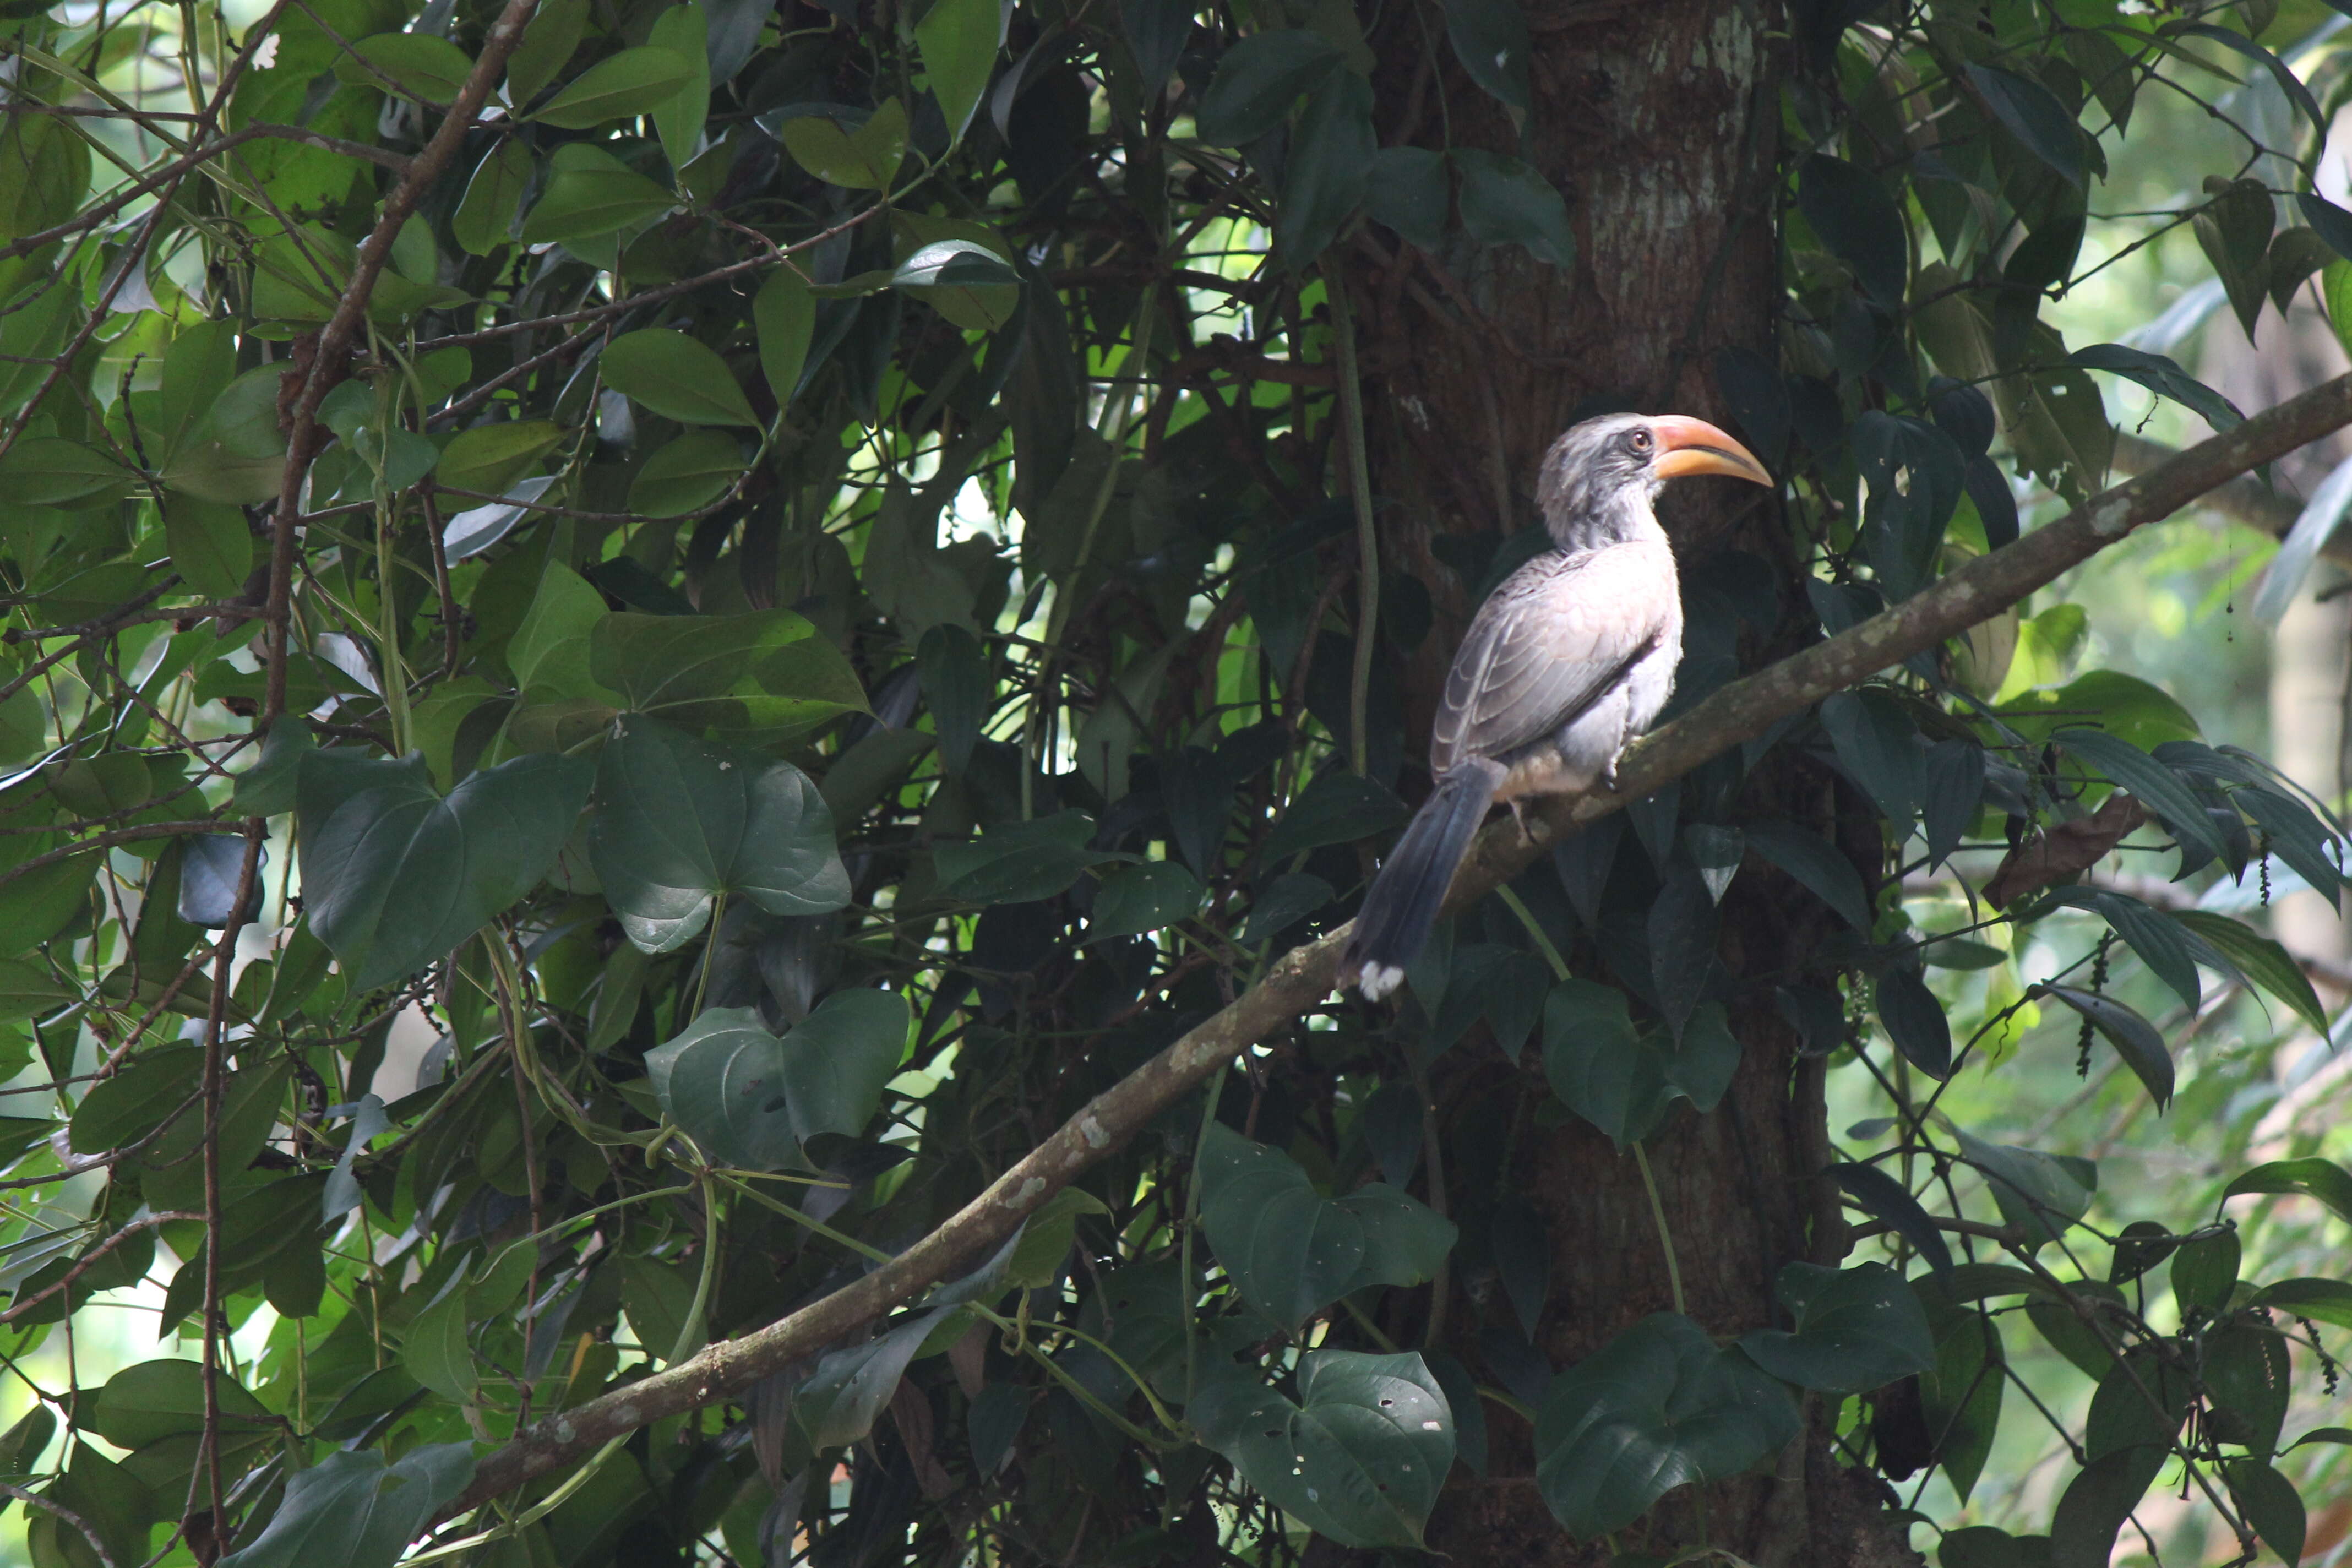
column 1549, row 641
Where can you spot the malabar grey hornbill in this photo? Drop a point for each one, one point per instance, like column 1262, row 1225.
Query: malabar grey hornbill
column 1570, row 658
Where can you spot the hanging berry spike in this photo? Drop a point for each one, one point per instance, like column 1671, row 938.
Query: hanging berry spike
column 2098, row 986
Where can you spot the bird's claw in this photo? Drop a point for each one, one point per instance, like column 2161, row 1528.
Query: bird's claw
column 1518, row 815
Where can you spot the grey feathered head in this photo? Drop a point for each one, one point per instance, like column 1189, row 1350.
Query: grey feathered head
column 1597, row 480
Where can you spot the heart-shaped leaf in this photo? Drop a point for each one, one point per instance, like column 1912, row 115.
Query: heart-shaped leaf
column 1620, row 1080
column 355, row 1509
column 1857, row 1329
column 750, row 1098
column 1138, row 899
column 1289, row 1249
column 754, row 678
column 1657, row 1407
column 394, row 875
column 681, row 821
column 1361, row 1460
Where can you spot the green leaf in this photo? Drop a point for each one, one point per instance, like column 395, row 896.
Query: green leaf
column 2270, row 1503
column 485, row 218
column 547, row 46
column 1408, row 190
column 866, row 159
column 2154, row 785
column 630, row 83
column 1914, row 1020
column 783, row 313
column 48, row 471
column 1258, row 79
column 1035, row 1258
column 958, row 40
column 1886, row 1199
column 687, row 474
column 2322, row 1180
column 1290, row 1250
column 156, row 1400
column 394, row 875
column 121, row 1109
column 2134, row 1038
column 1854, row 215
column 1337, row 808
column 27, row 991
column 211, row 546
column 1658, row 1408
column 2043, row 1194
column 422, row 65
column 679, row 821
column 1360, row 1461
column 1490, row 39
column 958, row 688
column 491, row 457
column 2261, row 960
column 355, row 1511
column 966, row 279
column 752, row 1099
column 1506, row 202
column 591, row 193
column 2163, row 377
column 197, row 370
column 435, row 1351
column 1857, row 1329
column 1816, row 864
column 1877, row 742
column 2031, row 112
column 753, row 678
column 676, row 377
column 685, row 31
column 1138, row 899
column 2095, row 1506
column 2329, row 1301
column 1327, row 164
column 1019, row 862
column 1624, row 1082
column 845, row 1392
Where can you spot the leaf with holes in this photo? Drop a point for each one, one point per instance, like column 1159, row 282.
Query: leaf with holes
column 1361, row 1460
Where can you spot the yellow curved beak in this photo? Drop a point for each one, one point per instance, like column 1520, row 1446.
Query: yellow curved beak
column 1687, row 445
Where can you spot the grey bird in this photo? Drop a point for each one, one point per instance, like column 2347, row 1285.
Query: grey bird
column 1566, row 662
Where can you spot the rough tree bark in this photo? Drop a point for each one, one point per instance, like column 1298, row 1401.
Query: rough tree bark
column 1657, row 122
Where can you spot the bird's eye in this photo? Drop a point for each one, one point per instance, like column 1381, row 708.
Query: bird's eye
column 1640, row 441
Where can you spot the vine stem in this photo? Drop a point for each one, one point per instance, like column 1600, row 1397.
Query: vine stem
column 1665, row 1235
column 1359, row 487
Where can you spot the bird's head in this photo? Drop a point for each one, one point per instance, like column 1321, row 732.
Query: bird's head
column 1598, row 480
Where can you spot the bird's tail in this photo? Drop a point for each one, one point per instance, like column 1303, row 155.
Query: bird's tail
column 1403, row 904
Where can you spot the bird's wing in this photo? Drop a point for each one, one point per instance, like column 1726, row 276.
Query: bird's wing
column 1552, row 638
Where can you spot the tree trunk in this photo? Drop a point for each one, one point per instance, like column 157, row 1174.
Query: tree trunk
column 1657, row 123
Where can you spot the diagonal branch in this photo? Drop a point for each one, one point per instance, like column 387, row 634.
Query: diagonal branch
column 1303, row 978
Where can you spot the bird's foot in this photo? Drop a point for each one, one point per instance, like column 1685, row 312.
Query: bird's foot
column 1520, row 816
